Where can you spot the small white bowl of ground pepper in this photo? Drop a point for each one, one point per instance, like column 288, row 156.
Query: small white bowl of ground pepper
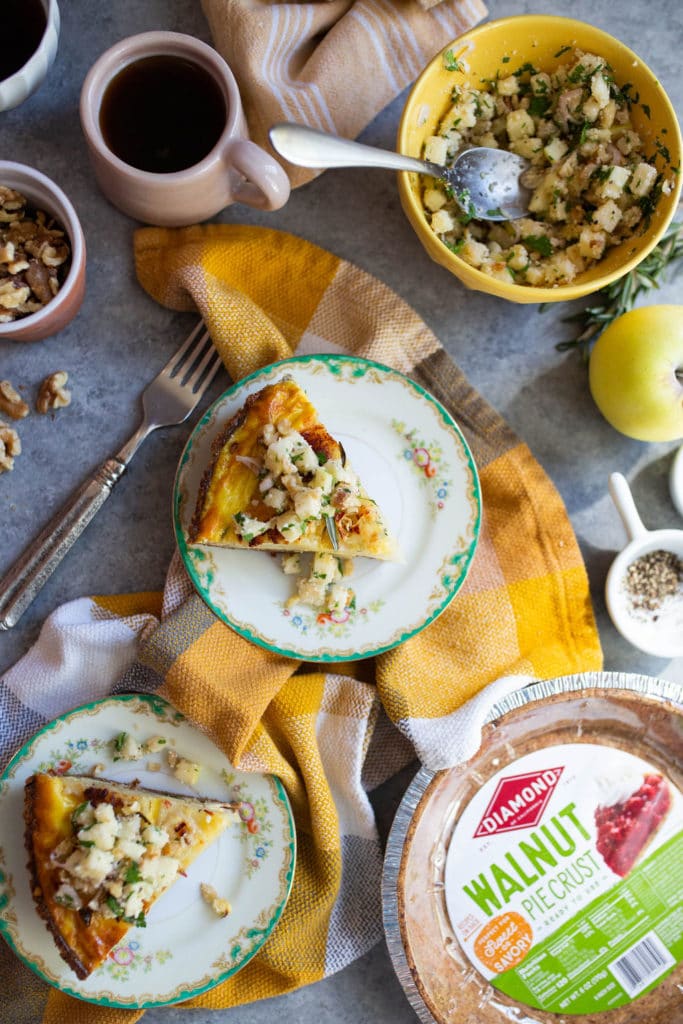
column 644, row 589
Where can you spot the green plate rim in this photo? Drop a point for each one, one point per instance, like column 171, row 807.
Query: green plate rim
column 329, row 359
column 150, row 699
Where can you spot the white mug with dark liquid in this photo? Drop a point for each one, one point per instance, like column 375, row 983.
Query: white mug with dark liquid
column 29, row 46
column 167, row 136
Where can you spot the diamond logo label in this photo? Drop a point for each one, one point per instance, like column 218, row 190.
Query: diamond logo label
column 518, row 802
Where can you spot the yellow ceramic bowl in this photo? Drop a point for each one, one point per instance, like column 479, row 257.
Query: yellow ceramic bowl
column 538, row 38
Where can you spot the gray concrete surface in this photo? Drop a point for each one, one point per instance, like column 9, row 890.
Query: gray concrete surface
column 121, row 338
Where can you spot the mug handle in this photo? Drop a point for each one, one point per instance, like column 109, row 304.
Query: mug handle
column 266, row 186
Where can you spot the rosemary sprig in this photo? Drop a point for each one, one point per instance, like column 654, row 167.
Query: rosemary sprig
column 620, row 296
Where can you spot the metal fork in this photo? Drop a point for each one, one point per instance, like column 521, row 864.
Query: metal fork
column 168, row 400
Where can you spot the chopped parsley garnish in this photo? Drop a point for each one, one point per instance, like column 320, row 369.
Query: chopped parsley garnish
column 321, row 457
column 539, row 243
column 538, row 105
column 647, row 110
column 582, row 133
column 506, row 60
column 450, row 63
column 119, row 741
column 663, row 151
column 114, row 906
column 577, row 74
column 77, row 813
column 495, row 212
column 623, row 95
column 649, row 202
column 523, row 70
column 563, row 49
column 132, row 873
column 239, row 518
column 119, row 913
column 464, row 200
column 455, row 247
column 602, row 173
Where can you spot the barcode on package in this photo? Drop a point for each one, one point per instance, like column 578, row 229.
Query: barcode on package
column 641, row 964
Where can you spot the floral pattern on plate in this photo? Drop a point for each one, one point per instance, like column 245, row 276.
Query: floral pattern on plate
column 339, row 625
column 252, row 867
column 378, row 415
column 129, row 958
column 428, row 461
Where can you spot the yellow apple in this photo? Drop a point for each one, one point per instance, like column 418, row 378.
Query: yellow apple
column 636, row 373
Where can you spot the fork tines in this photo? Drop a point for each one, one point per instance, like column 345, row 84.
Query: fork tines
column 196, row 362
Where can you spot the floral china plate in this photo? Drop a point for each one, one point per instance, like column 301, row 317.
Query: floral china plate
column 185, row 948
column 412, row 459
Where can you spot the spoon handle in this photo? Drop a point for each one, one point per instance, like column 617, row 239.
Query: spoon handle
column 626, row 506
column 308, row 147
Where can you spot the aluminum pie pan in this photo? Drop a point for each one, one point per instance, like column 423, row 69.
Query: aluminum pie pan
column 664, row 692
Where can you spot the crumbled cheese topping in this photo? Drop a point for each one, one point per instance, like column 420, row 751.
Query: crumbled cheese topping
column 295, row 485
column 126, row 747
column 322, row 587
column 183, row 769
column 154, row 744
column 187, row 772
column 301, row 488
column 114, row 863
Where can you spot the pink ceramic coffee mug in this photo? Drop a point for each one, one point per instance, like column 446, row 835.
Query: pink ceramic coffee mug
column 235, row 169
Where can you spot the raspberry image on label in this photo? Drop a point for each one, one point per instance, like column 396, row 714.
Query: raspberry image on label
column 625, row 828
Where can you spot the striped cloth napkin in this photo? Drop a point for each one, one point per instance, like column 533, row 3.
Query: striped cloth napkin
column 331, row 65
column 524, row 611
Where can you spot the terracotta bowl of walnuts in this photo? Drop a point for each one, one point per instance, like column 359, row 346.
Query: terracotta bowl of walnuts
column 42, row 255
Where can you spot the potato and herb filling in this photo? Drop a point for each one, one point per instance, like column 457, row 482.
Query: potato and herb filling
column 324, row 587
column 297, row 486
column 279, row 481
column 300, row 486
column 592, row 184
column 114, row 861
column 101, row 853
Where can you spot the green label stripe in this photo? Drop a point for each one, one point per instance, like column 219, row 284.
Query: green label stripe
column 569, row 971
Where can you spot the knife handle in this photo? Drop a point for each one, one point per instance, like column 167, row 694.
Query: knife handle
column 26, row 578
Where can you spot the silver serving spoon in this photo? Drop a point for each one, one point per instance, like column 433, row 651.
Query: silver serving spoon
column 485, row 182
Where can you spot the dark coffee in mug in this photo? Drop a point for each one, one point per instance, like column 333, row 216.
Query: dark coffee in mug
column 162, row 114
column 23, row 26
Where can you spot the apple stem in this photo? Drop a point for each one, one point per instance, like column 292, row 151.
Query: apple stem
column 678, row 374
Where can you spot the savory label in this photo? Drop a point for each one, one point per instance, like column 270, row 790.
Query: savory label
column 561, row 882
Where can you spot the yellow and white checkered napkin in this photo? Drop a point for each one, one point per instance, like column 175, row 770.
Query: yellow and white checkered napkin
column 524, row 611
column 331, row 65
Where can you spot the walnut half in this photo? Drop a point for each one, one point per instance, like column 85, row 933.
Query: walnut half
column 10, row 446
column 35, row 256
column 219, row 906
column 53, row 393
column 11, row 403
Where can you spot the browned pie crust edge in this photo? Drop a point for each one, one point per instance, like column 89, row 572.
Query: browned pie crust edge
column 65, row 950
